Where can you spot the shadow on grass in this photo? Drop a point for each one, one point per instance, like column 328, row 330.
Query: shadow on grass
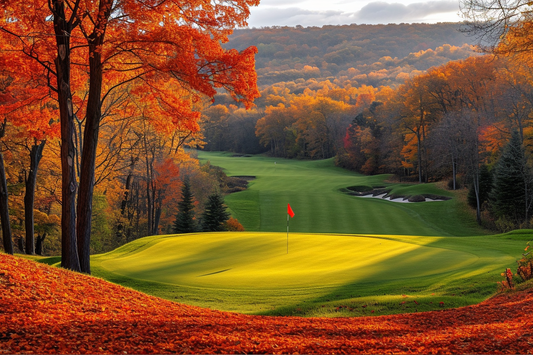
column 465, row 286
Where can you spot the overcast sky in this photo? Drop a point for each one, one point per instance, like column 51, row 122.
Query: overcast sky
column 341, row 12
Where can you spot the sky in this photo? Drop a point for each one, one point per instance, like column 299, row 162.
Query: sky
column 344, row 12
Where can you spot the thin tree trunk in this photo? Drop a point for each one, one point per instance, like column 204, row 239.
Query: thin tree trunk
column 36, row 154
column 4, row 210
column 478, row 205
column 419, row 146
column 454, row 172
column 62, row 29
column 157, row 217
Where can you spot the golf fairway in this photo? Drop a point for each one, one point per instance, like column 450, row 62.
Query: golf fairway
column 314, row 191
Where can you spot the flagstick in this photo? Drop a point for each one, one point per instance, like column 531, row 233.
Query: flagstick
column 287, row 233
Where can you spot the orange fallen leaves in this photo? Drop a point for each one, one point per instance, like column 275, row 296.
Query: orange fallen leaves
column 49, row 310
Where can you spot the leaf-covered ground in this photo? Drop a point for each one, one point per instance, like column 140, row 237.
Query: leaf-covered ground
column 50, row 310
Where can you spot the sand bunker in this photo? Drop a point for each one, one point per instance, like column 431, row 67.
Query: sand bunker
column 385, row 194
column 404, row 199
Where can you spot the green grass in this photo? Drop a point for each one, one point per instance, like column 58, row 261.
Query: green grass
column 348, row 256
column 314, row 190
column 322, row 275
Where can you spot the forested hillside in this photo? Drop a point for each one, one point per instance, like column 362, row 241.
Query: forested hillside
column 378, row 53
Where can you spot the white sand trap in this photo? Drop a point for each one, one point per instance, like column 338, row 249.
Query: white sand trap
column 398, row 199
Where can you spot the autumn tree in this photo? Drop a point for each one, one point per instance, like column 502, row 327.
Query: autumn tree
column 84, row 44
column 273, row 130
column 417, row 111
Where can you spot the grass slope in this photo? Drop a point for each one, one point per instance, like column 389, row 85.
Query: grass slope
column 313, row 188
column 322, row 275
column 50, row 310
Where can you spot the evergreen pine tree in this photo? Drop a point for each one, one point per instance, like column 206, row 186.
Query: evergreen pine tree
column 512, row 179
column 215, row 214
column 185, row 218
column 485, row 187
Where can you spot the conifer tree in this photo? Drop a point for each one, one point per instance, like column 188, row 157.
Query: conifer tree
column 215, row 214
column 510, row 197
column 185, row 218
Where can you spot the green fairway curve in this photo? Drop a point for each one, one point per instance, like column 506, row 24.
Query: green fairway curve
column 314, row 190
column 251, row 272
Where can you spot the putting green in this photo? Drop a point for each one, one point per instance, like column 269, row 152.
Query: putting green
column 260, row 260
column 251, row 272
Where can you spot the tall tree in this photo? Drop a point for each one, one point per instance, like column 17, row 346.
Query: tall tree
column 114, row 42
column 185, row 216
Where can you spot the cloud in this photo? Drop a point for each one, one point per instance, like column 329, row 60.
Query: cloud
column 377, row 12
column 283, row 3
column 293, row 16
column 382, row 12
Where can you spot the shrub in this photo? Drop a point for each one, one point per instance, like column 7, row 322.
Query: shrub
column 525, row 271
column 233, row 225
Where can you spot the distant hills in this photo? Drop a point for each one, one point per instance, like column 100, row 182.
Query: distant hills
column 373, row 55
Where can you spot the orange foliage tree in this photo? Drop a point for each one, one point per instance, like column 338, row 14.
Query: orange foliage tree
column 89, row 49
column 28, row 122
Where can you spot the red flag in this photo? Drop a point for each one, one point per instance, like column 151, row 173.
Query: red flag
column 289, row 210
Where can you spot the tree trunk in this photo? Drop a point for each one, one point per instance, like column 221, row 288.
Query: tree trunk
column 36, row 154
column 454, row 173
column 39, row 249
column 157, row 217
column 88, row 159
column 4, row 210
column 478, row 205
column 90, row 136
column 419, row 153
column 62, row 29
